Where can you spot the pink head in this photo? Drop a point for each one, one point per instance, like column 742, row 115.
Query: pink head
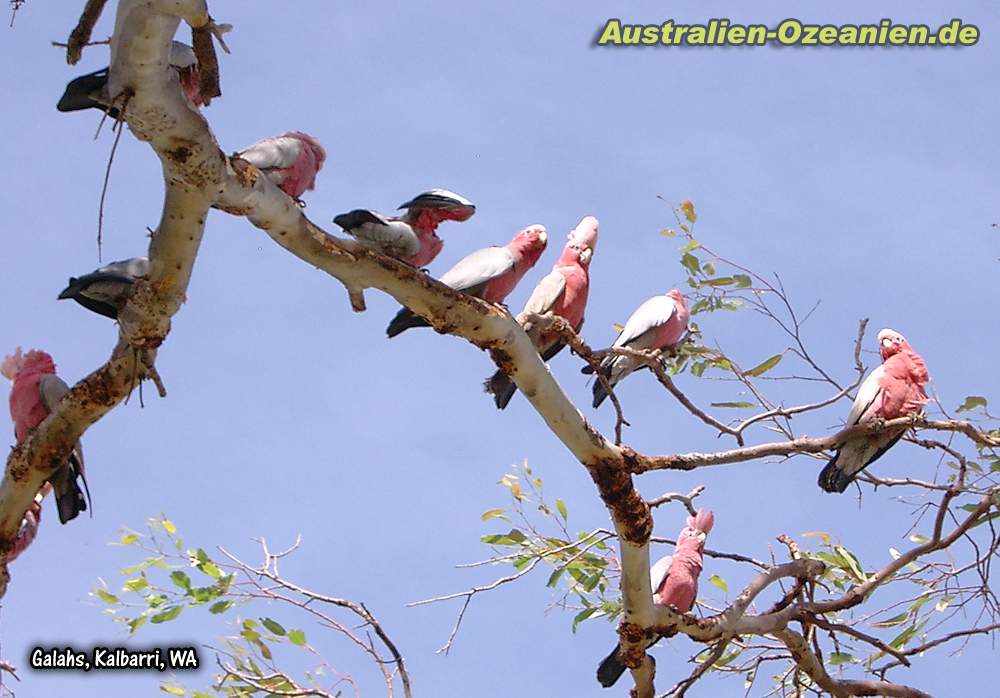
column 317, row 150
column 33, row 361
column 530, row 243
column 585, row 233
column 698, row 527
column 679, row 298
column 891, row 342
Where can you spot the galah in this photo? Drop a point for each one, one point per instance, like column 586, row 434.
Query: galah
column 658, row 323
column 674, row 580
column 490, row 273
column 106, row 290
column 29, row 525
column 894, row 389
column 91, row 91
column 35, row 392
column 290, row 160
column 412, row 237
column 563, row 292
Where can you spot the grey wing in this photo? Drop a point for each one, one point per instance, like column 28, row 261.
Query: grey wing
column 546, row 294
column 181, row 55
column 387, row 234
column 273, row 153
column 868, row 393
column 439, row 198
column 659, row 571
column 478, row 268
column 650, row 315
column 52, row 388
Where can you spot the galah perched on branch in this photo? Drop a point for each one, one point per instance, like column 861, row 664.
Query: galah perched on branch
column 91, row 91
column 658, row 323
column 563, row 292
column 490, row 273
column 35, row 392
column 674, row 580
column 412, row 237
column 894, row 389
column 290, row 160
column 106, row 290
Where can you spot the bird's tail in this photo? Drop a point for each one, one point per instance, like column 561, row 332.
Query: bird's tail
column 501, row 387
column 610, row 670
column 600, row 394
column 69, row 497
column 832, row 478
column 404, row 320
column 79, row 92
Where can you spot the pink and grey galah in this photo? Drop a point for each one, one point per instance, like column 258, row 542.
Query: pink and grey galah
column 91, row 91
column 106, row 290
column 36, row 390
column 563, row 292
column 674, row 580
column 290, row 160
column 658, row 323
column 412, row 237
column 894, row 389
column 490, row 273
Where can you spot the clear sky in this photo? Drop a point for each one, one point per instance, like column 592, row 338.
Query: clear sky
column 866, row 177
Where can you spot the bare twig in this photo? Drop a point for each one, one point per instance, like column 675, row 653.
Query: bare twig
column 80, row 36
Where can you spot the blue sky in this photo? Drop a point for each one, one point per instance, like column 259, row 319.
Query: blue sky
column 866, row 177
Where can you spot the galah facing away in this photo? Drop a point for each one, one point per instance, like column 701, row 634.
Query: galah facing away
column 894, row 389
column 563, row 292
column 658, row 323
column 674, row 580
column 412, row 237
column 35, row 392
column 490, row 273
column 106, row 290
column 91, row 91
column 290, row 160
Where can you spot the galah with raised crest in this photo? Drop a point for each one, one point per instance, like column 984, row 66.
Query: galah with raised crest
column 658, row 323
column 674, row 581
column 412, row 237
column 490, row 273
column 36, row 390
column 563, row 292
column 894, row 389
column 290, row 160
column 106, row 290
column 91, row 91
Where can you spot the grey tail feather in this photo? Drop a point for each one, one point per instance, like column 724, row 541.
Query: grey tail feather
column 71, row 502
column 610, row 670
column 404, row 320
column 78, row 92
column 73, row 287
column 502, row 389
column 600, row 394
column 832, row 478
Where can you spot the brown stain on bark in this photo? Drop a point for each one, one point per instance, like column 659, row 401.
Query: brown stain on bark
column 629, row 510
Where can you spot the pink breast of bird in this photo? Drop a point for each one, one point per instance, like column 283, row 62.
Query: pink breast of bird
column 680, row 588
column 191, row 84
column 671, row 331
column 499, row 287
column 903, row 378
column 301, row 176
column 425, row 226
column 26, row 406
column 573, row 302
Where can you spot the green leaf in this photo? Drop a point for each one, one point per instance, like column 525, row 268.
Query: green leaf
column 136, row 623
column 764, row 366
column 720, row 281
column 837, row 658
column 105, row 596
column 136, row 583
column 169, row 527
column 891, row 622
column 129, row 539
column 734, row 405
column 180, row 579
column 691, row 263
column 492, row 513
column 561, row 506
column 297, row 637
column 210, row 569
column 718, row 581
column 687, row 208
column 173, row 690
column 265, row 651
column 167, row 615
column 742, row 281
column 852, row 563
column 273, row 625
column 972, row 402
column 554, row 577
column 586, row 613
column 668, row 232
column 220, row 607
column 919, row 538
